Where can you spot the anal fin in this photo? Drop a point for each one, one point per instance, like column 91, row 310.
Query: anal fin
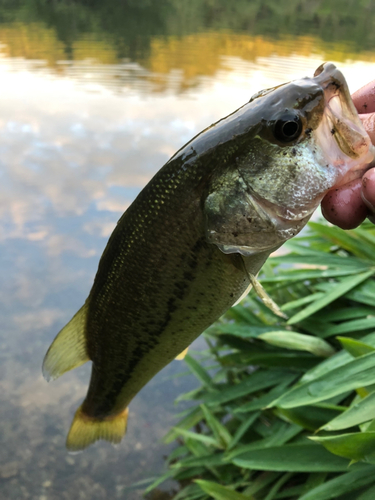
column 68, row 350
column 85, row 430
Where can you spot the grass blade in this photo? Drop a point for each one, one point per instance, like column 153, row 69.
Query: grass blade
column 219, row 492
column 363, row 411
column 292, row 458
column 345, row 483
column 298, row 341
column 355, row 446
column 340, row 289
column 359, row 372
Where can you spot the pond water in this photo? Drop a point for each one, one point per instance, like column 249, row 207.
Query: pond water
column 95, row 97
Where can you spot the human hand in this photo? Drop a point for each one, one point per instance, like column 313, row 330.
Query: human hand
column 349, row 205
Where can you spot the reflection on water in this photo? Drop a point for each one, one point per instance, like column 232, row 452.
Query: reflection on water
column 89, row 112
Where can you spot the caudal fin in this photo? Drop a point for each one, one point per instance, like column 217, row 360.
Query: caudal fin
column 86, row 430
column 68, row 350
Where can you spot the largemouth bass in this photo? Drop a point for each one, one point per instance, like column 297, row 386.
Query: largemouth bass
column 186, row 249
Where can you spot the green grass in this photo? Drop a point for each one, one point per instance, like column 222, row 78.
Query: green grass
column 285, row 409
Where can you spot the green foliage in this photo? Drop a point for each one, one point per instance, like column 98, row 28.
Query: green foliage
column 133, row 23
column 286, row 408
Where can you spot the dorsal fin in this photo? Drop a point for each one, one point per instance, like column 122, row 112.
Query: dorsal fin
column 182, row 354
column 68, row 350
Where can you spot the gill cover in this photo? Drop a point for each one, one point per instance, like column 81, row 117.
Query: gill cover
column 235, row 221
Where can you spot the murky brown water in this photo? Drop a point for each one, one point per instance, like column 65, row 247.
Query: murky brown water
column 89, row 111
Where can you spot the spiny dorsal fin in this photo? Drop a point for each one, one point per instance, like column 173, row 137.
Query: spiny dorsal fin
column 86, row 430
column 182, row 354
column 68, row 350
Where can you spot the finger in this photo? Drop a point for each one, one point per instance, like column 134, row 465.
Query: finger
column 344, row 206
column 364, row 98
column 368, row 192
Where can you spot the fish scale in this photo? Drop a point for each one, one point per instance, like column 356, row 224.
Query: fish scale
column 172, row 290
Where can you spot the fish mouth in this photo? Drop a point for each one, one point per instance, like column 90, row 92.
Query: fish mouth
column 351, row 151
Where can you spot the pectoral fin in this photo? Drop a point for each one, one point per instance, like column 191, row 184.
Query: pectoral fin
column 245, row 294
column 266, row 299
column 68, row 350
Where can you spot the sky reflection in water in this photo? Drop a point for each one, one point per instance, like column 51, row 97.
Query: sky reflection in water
column 75, row 149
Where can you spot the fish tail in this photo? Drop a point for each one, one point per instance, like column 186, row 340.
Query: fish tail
column 68, row 350
column 85, row 430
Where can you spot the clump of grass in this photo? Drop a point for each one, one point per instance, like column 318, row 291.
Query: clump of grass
column 285, row 408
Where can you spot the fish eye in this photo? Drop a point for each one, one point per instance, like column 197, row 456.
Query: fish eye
column 288, row 127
